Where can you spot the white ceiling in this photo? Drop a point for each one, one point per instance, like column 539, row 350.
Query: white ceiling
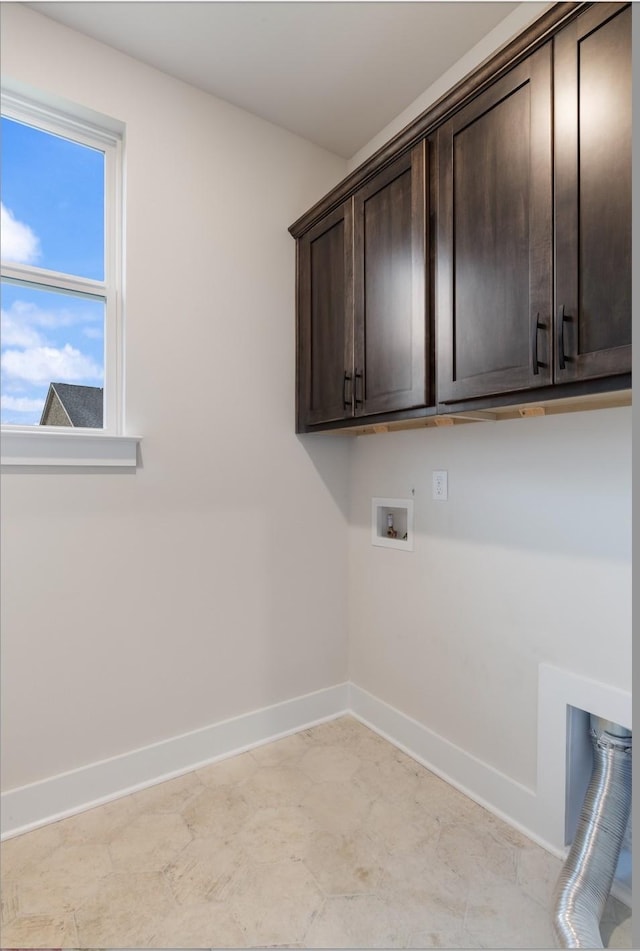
column 334, row 72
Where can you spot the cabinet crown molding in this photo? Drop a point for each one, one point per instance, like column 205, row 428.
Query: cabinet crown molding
column 442, row 109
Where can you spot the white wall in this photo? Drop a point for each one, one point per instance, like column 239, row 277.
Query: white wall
column 528, row 562
column 213, row 580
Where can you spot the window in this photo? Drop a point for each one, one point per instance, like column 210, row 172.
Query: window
column 60, row 347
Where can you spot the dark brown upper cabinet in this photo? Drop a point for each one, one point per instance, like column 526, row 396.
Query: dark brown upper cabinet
column 593, row 194
column 390, row 328
column 513, row 316
column 325, row 320
column 362, row 314
column 503, row 215
column 494, row 261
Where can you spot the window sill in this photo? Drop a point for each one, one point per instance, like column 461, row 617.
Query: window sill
column 58, row 448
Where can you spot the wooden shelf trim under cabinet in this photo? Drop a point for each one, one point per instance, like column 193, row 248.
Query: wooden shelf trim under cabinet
column 555, row 407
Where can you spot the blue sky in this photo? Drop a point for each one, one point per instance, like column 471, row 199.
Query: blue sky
column 52, row 194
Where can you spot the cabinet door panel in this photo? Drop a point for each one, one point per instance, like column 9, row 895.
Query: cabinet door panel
column 593, row 194
column 494, row 238
column 389, row 277
column 325, row 331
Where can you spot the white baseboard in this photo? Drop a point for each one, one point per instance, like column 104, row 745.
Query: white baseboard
column 37, row 804
column 501, row 795
column 523, row 808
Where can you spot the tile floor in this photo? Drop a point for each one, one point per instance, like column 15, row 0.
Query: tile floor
column 331, row 838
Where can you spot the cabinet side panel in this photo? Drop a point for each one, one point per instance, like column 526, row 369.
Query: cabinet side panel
column 491, row 227
column 604, row 69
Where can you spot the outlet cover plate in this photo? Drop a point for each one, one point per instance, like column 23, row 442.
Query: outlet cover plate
column 440, row 485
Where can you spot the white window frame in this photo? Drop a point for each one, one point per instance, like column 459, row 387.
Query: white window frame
column 59, row 445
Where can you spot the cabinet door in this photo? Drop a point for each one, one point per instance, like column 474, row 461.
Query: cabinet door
column 325, row 319
column 593, row 194
column 391, row 333
column 494, row 286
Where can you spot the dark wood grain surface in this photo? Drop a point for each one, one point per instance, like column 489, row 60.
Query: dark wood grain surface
column 494, row 303
column 390, row 328
column 593, row 194
column 325, row 319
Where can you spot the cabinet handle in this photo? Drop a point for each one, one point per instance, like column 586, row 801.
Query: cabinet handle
column 562, row 318
column 347, row 379
column 535, row 327
column 358, row 376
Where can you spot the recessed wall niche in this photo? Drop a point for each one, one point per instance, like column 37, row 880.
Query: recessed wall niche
column 392, row 523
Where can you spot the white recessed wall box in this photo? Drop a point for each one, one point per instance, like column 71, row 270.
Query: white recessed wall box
column 392, row 523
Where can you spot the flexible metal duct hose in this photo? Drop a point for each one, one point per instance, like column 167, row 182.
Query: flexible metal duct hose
column 587, row 875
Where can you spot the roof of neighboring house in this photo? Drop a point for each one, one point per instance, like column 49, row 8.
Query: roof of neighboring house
column 82, row 404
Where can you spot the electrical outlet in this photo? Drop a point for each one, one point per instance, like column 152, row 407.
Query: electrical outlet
column 440, row 489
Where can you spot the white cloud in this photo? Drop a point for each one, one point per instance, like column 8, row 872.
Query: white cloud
column 44, row 364
column 16, row 331
column 18, row 242
column 19, row 324
column 27, row 313
column 22, row 404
